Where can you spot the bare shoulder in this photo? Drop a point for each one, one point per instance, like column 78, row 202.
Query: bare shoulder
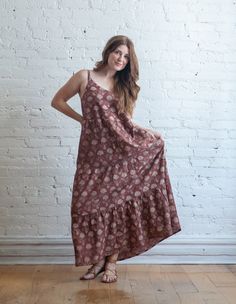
column 82, row 73
column 81, row 76
column 78, row 81
column 74, row 85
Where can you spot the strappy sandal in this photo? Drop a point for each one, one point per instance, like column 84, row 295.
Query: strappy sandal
column 94, row 271
column 106, row 278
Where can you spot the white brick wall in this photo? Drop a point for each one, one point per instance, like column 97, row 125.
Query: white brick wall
column 187, row 58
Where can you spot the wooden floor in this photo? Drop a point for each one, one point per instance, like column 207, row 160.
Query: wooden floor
column 144, row 284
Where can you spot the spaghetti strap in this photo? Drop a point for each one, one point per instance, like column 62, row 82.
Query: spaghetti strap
column 88, row 74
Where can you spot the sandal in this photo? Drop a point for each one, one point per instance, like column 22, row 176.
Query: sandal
column 110, row 275
column 94, row 270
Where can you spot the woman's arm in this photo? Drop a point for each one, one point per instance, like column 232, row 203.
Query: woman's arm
column 68, row 90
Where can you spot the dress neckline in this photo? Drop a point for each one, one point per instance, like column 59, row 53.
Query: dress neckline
column 99, row 85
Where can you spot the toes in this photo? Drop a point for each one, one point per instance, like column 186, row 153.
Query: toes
column 108, row 278
column 86, row 277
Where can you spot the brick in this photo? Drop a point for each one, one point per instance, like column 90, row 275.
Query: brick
column 187, row 79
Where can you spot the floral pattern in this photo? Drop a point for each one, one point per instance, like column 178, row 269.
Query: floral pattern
column 122, row 199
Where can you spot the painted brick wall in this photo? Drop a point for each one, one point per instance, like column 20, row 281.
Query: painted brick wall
column 187, row 57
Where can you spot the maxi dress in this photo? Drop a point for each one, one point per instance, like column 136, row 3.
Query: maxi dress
column 122, row 200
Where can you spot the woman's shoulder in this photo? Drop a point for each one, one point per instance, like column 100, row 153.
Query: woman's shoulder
column 82, row 74
column 81, row 78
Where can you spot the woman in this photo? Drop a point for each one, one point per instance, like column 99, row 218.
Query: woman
column 122, row 201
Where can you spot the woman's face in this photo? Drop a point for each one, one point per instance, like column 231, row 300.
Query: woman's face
column 118, row 59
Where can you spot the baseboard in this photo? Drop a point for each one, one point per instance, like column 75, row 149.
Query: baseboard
column 171, row 251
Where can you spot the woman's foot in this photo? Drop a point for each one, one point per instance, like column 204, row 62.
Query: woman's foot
column 94, row 270
column 110, row 275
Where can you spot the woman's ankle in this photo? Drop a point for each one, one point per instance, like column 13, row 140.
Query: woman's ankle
column 112, row 258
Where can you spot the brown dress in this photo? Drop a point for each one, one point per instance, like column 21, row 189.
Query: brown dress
column 122, row 199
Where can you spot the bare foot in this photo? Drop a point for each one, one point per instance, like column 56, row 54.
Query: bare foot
column 110, row 273
column 94, row 270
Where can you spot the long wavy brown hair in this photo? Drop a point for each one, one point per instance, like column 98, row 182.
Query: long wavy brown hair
column 125, row 86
